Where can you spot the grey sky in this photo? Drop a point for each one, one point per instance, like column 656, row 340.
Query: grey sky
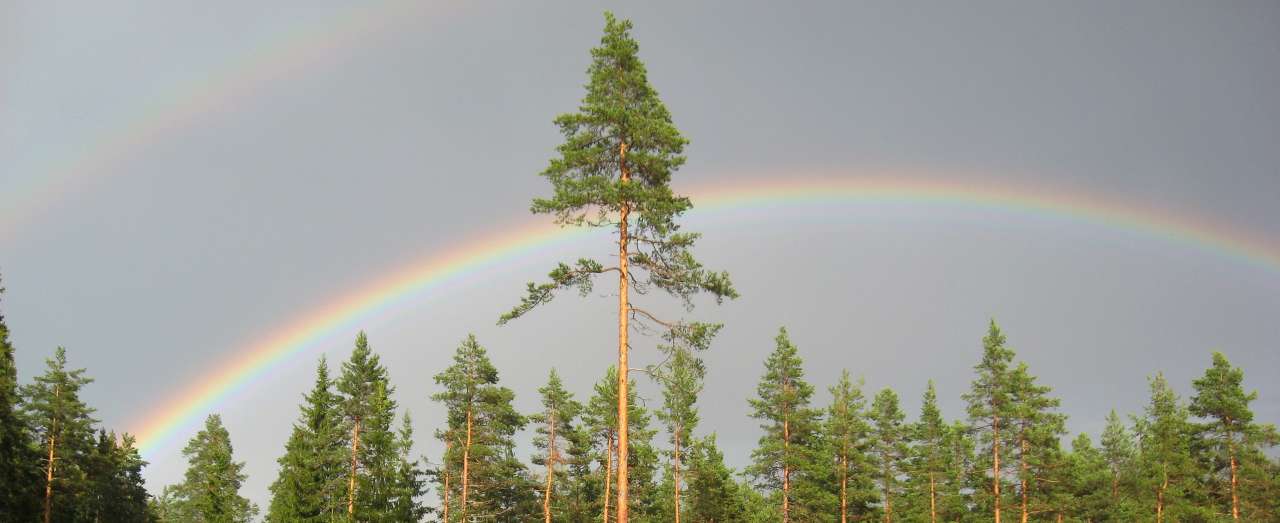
column 413, row 139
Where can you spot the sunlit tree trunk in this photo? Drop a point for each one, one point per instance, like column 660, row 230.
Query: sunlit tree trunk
column 623, row 330
column 351, row 480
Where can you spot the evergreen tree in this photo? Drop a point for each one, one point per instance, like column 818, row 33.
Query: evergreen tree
column 614, row 170
column 785, row 451
column 1089, row 482
column 378, row 484
column 1120, row 453
column 362, row 379
column 63, row 424
column 485, row 479
column 1220, row 397
column 1168, row 470
column 931, row 478
column 555, row 428
column 114, row 472
column 848, row 438
column 408, row 484
column 713, row 494
column 1034, row 431
column 681, row 379
column 210, row 492
column 888, row 447
column 309, row 486
column 990, row 406
column 17, row 461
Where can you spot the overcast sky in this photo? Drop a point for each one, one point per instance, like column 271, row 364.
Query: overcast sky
column 291, row 176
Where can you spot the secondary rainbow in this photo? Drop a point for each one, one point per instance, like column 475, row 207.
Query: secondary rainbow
column 161, row 425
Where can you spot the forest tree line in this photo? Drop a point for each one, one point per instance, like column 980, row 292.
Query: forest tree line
column 848, row 455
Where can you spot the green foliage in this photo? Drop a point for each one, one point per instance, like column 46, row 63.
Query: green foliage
column 556, row 431
column 935, row 475
column 848, row 438
column 18, row 461
column 989, row 407
column 1231, row 436
column 713, row 495
column 789, row 461
column 1168, row 472
column 1035, row 428
column 620, row 151
column 497, row 481
column 211, row 490
column 888, row 447
column 63, row 426
column 310, row 483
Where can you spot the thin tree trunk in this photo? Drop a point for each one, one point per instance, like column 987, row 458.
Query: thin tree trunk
column 608, row 477
column 675, row 463
column 447, row 444
column 1022, row 458
column 995, row 464
column 623, row 308
column 933, row 499
column 48, row 479
column 1164, row 484
column 466, row 465
column 888, row 501
column 351, row 484
column 551, row 464
column 844, row 484
column 1235, row 494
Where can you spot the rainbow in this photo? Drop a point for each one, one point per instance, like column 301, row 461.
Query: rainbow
column 160, row 426
column 315, row 45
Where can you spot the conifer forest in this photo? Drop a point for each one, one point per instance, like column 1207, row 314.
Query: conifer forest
column 827, row 452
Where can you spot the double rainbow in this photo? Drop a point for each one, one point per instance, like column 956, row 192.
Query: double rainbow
column 161, row 425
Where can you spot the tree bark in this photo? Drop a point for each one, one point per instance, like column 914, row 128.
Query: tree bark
column 466, row 465
column 933, row 499
column 446, row 482
column 844, row 484
column 1235, row 480
column 48, row 473
column 1022, row 458
column 551, row 464
column 623, row 330
column 1164, row 484
column 351, row 484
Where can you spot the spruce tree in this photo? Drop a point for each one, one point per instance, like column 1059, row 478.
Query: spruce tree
column 485, row 478
column 407, row 483
column 309, row 486
column 115, row 487
column 18, row 463
column 1120, row 453
column 785, row 453
column 614, row 170
column 211, row 488
column 1231, row 432
column 555, row 424
column 713, row 494
column 63, row 425
column 1088, row 482
column 848, row 438
column 888, row 447
column 989, row 407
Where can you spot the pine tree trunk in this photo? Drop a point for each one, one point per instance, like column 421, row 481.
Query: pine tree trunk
column 888, row 502
column 1235, row 495
column 995, row 464
column 933, row 499
column 351, row 484
column 447, row 444
column 786, row 470
column 608, row 476
column 48, row 479
column 551, row 464
column 844, row 484
column 623, row 330
column 675, row 463
column 1164, row 483
column 1022, row 458
column 466, row 464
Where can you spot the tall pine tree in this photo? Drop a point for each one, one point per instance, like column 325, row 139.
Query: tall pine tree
column 990, row 407
column 486, row 481
column 555, row 429
column 63, row 424
column 848, row 438
column 785, row 453
column 1168, row 468
column 614, row 170
column 309, row 486
column 888, row 447
column 1231, row 431
column 18, row 467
